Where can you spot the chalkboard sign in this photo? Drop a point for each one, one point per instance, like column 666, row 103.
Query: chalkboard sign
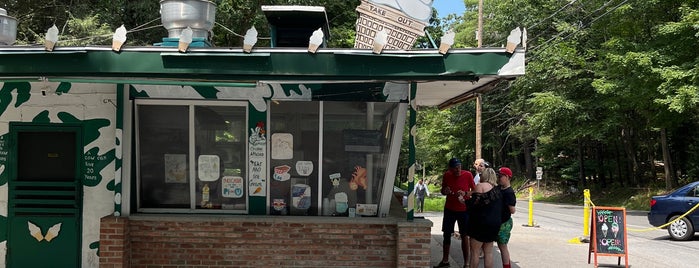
column 609, row 233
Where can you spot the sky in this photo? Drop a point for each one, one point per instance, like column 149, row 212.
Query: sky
column 446, row 7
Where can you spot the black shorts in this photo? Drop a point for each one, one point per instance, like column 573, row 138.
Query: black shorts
column 451, row 217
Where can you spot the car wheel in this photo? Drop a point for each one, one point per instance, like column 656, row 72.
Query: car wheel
column 680, row 230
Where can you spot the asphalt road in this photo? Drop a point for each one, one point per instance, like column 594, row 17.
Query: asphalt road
column 554, row 241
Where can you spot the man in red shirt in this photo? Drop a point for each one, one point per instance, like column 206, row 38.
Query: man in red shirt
column 457, row 185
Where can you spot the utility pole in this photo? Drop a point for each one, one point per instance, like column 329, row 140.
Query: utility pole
column 478, row 96
column 480, row 23
column 478, row 126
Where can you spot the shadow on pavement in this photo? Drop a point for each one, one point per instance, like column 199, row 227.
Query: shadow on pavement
column 456, row 257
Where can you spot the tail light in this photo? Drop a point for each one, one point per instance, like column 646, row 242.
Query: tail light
column 652, row 202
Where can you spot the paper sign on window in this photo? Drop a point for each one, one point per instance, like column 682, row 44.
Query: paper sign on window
column 175, row 168
column 232, row 186
column 304, row 168
column 367, row 209
column 209, row 167
column 282, row 146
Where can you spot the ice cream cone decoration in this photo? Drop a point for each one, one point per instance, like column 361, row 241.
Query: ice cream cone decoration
column 35, row 231
column 316, row 40
column 185, row 39
column 52, row 233
column 403, row 20
column 615, row 229
column 447, row 41
column 604, row 229
column 119, row 38
column 513, row 40
column 250, row 39
column 51, row 38
column 380, row 41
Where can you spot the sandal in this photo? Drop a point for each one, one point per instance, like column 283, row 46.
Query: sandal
column 442, row 264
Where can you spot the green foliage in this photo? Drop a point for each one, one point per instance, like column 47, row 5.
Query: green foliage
column 434, row 203
column 609, row 99
column 92, row 21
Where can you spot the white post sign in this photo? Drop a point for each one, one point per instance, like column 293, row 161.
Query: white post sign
column 539, row 172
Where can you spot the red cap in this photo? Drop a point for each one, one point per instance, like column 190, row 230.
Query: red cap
column 505, row 171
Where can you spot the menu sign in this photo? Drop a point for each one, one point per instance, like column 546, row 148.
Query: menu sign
column 257, row 148
column 609, row 232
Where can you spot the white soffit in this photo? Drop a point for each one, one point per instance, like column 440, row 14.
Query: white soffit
column 437, row 93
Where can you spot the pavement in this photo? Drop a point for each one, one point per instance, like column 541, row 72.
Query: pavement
column 456, row 257
column 545, row 246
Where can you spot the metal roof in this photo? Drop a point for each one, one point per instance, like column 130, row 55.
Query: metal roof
column 442, row 80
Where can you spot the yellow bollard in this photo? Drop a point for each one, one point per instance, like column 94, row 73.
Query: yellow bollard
column 586, row 220
column 530, row 223
column 531, row 207
column 586, row 213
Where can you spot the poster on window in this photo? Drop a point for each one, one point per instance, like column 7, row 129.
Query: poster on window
column 304, row 168
column 209, row 167
column 232, row 186
column 175, row 168
column 282, row 146
column 257, row 147
column 367, row 209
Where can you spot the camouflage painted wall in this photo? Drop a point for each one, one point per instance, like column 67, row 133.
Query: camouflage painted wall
column 93, row 105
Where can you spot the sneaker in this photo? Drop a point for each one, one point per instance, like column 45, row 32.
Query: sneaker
column 442, row 264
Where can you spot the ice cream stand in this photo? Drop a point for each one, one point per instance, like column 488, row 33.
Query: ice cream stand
column 222, row 156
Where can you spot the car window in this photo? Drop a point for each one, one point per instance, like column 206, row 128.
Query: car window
column 694, row 192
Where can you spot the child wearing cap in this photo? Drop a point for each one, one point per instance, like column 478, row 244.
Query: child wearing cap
column 509, row 201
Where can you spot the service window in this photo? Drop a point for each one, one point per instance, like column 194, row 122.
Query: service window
column 294, row 141
column 191, row 156
column 356, row 139
column 329, row 158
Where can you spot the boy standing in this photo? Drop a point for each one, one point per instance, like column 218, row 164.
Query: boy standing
column 509, row 201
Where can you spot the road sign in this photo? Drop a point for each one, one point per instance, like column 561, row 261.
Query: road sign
column 539, row 172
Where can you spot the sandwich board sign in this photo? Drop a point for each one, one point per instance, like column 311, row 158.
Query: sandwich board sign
column 608, row 234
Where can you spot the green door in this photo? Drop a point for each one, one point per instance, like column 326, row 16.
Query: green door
column 45, row 197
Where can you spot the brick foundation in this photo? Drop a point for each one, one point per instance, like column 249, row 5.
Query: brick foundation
column 265, row 241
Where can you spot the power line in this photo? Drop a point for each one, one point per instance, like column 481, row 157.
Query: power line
column 570, row 33
column 541, row 21
column 588, row 15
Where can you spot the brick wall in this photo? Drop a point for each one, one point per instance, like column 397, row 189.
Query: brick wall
column 114, row 242
column 413, row 244
column 245, row 241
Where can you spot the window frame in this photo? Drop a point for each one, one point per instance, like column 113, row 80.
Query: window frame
column 191, row 157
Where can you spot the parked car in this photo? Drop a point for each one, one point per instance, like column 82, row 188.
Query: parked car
column 667, row 208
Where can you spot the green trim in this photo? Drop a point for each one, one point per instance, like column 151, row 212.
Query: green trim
column 119, row 141
column 411, row 149
column 222, row 65
column 151, row 82
column 257, row 205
